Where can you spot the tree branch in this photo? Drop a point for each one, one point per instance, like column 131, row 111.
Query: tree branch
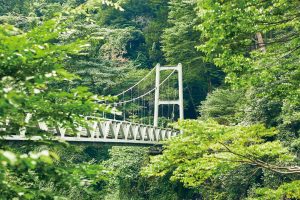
column 265, row 165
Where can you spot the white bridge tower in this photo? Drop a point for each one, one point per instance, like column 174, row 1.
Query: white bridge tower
column 158, row 101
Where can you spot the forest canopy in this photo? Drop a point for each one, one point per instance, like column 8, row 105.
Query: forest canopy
column 63, row 60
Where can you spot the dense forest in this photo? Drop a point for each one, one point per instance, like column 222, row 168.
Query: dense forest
column 61, row 59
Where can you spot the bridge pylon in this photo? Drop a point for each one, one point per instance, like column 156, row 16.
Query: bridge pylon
column 158, row 101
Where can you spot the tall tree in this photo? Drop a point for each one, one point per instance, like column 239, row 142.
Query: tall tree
column 179, row 45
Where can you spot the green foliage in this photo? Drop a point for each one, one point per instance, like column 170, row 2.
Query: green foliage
column 52, row 171
column 207, row 151
column 179, row 41
column 104, row 62
column 146, row 16
column 269, row 68
column 41, row 175
column 223, row 105
column 126, row 163
column 13, row 165
column 31, row 62
column 59, row 53
column 255, row 44
column 127, row 183
column 287, row 190
column 180, row 38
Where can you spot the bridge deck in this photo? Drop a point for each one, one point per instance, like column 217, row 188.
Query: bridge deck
column 110, row 131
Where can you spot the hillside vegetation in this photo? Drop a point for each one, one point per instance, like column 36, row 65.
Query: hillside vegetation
column 60, row 60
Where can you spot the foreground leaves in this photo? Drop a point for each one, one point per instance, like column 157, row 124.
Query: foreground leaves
column 208, row 150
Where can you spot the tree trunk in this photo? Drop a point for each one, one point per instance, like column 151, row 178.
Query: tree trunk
column 261, row 43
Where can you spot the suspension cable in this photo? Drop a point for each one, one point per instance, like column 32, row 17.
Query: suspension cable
column 123, row 92
column 133, row 99
column 124, row 114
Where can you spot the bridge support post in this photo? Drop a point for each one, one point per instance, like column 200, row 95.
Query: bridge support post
column 180, row 94
column 158, row 102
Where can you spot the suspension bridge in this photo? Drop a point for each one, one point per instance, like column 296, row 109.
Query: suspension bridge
column 140, row 115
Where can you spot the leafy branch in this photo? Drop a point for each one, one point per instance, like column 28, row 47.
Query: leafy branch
column 262, row 164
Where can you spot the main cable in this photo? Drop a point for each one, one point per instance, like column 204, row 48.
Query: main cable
column 123, row 92
column 133, row 99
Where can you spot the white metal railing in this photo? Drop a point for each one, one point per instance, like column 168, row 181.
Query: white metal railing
column 102, row 130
